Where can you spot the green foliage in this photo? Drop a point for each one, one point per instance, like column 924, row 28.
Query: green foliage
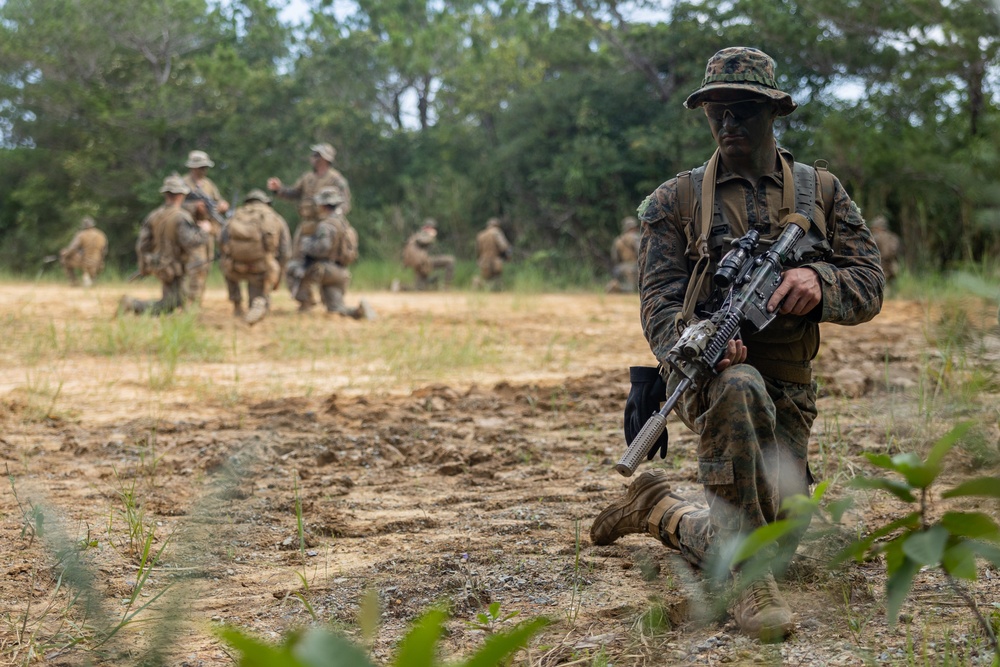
column 952, row 542
column 321, row 647
column 557, row 117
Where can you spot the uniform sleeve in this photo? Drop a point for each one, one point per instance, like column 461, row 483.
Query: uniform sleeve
column 319, row 245
column 663, row 268
column 284, row 244
column 190, row 235
column 851, row 279
column 293, row 192
column 74, row 245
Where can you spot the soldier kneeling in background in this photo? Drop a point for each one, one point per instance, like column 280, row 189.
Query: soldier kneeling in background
column 254, row 248
column 326, row 255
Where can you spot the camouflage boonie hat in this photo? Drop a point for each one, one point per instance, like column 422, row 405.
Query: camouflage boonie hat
column 629, row 223
column 430, row 222
column 329, row 197
column 198, row 159
column 257, row 195
column 741, row 68
column 493, row 222
column 325, row 151
column 174, row 184
column 87, row 222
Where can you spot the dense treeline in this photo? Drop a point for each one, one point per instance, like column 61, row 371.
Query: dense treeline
column 557, row 116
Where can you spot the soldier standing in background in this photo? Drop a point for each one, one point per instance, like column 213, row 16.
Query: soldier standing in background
column 168, row 238
column 328, row 252
column 254, row 248
column 204, row 203
column 416, row 256
column 85, row 253
column 625, row 258
column 888, row 246
column 492, row 249
column 304, row 191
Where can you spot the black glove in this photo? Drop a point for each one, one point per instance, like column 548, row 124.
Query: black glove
column 647, row 392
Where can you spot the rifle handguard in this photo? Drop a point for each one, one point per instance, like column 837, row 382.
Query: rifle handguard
column 644, row 441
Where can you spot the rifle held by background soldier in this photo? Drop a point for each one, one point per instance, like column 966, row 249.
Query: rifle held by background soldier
column 750, row 281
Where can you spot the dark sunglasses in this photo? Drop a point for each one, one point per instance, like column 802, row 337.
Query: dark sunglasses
column 740, row 110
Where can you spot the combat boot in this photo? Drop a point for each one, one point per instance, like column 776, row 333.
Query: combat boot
column 258, row 309
column 645, row 505
column 365, row 311
column 761, row 611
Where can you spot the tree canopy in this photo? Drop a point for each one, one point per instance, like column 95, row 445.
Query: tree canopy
column 559, row 117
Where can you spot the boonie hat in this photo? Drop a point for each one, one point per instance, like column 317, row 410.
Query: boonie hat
column 329, row 197
column 87, row 222
column 325, row 151
column 629, row 223
column 198, row 159
column 741, row 68
column 430, row 222
column 258, row 195
column 174, row 184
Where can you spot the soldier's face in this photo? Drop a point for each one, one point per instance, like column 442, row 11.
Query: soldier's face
column 742, row 124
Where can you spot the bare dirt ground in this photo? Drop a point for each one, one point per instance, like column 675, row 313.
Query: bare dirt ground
column 455, row 449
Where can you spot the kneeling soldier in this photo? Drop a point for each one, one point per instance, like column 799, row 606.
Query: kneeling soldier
column 327, row 254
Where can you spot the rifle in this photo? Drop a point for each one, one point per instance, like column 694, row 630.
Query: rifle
column 213, row 211
column 750, row 281
column 138, row 275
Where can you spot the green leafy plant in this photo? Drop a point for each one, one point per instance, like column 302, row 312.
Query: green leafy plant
column 492, row 618
column 321, row 647
column 952, row 542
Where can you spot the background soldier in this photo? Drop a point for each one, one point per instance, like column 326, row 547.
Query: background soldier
column 492, row 249
column 85, row 253
column 625, row 257
column 255, row 246
column 205, row 204
column 328, row 252
column 425, row 266
column 888, row 246
column 167, row 239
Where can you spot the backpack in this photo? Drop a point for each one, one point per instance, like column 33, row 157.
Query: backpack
column 246, row 243
column 347, row 244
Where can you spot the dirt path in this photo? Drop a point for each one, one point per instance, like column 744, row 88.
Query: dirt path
column 453, row 449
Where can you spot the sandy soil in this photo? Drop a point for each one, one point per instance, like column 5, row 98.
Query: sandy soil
column 455, row 449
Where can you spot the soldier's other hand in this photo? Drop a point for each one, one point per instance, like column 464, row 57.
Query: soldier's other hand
column 736, row 353
column 205, row 226
column 273, row 184
column 223, row 206
column 798, row 293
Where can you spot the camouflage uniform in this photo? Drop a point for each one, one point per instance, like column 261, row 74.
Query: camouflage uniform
column 86, row 253
column 754, row 418
column 492, row 248
column 625, row 257
column 263, row 275
column 200, row 261
column 323, row 267
column 888, row 246
column 167, row 239
column 416, row 256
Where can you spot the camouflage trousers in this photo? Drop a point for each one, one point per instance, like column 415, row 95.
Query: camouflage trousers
column 332, row 280
column 73, row 262
column 751, row 455
column 427, row 273
column 171, row 299
column 198, row 267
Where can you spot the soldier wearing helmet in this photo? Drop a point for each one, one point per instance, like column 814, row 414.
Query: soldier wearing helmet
column 625, row 257
column 255, row 247
column 205, row 204
column 85, row 253
column 492, row 250
column 429, row 269
column 754, row 416
column 327, row 253
column 167, row 240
